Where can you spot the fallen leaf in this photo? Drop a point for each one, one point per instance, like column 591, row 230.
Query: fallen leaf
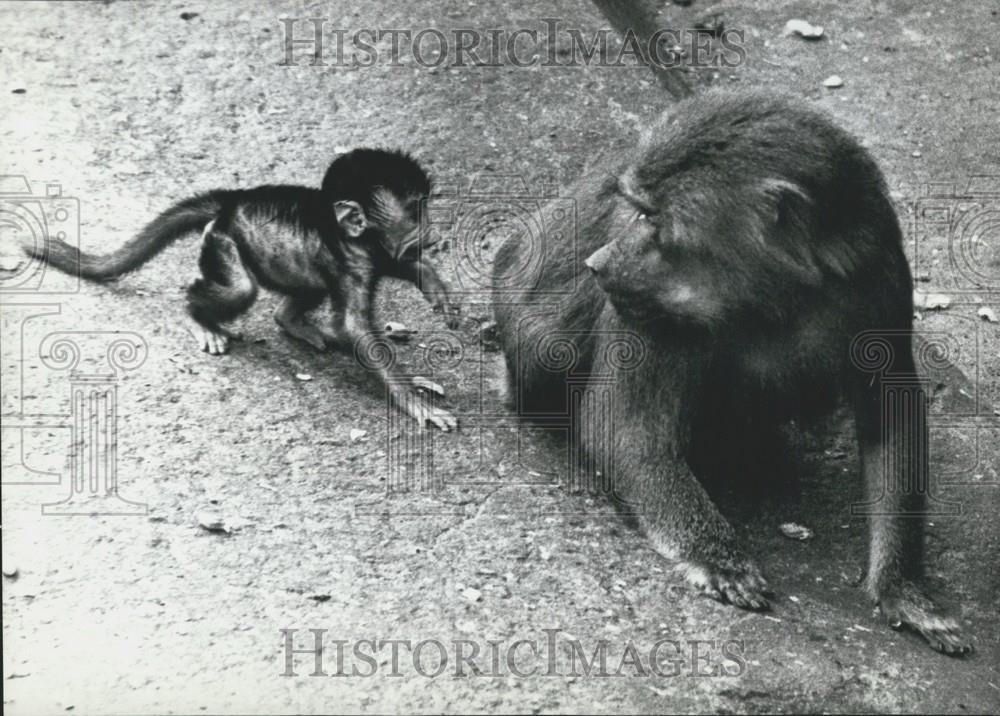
column 303, row 376
column 356, row 434
column 833, row 82
column 791, row 530
column 803, row 28
column 472, row 594
column 988, row 314
column 931, row 301
column 398, row 331
column 10, row 263
column 212, row 521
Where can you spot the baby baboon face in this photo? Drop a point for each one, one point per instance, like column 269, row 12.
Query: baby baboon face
column 397, row 218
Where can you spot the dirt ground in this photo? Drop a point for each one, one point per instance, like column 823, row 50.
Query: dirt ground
column 131, row 106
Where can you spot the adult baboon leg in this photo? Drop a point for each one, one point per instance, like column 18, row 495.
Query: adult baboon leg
column 225, row 290
column 646, row 458
column 892, row 432
column 640, row 18
column 680, row 518
column 291, row 316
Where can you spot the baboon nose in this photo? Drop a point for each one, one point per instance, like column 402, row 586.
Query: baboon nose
column 597, row 261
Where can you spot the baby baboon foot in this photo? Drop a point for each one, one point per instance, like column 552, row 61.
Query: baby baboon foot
column 738, row 582
column 421, row 408
column 906, row 606
column 315, row 337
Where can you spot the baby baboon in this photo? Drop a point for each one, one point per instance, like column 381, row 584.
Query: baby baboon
column 748, row 242
column 308, row 244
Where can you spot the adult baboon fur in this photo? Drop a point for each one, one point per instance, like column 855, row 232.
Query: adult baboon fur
column 750, row 244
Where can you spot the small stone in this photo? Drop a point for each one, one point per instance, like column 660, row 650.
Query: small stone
column 987, row 314
column 833, row 82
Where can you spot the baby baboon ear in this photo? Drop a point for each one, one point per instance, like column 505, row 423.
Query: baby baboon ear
column 351, row 217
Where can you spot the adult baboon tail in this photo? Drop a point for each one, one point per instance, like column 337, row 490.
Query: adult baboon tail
column 185, row 216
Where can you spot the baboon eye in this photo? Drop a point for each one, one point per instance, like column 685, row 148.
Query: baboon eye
column 646, row 217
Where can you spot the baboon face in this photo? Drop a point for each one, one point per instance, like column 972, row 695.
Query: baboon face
column 703, row 250
column 398, row 222
column 651, row 268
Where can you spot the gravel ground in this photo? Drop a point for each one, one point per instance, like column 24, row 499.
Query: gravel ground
column 131, row 106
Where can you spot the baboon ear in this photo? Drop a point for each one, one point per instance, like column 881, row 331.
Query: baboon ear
column 351, row 217
column 799, row 238
column 785, row 230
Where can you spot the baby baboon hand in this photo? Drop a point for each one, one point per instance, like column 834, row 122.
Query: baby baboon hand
column 419, row 405
column 737, row 581
column 904, row 605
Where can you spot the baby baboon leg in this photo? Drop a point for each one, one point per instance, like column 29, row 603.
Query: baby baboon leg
column 224, row 291
column 291, row 316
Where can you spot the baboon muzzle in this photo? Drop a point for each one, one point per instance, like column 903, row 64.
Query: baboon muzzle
column 598, row 261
